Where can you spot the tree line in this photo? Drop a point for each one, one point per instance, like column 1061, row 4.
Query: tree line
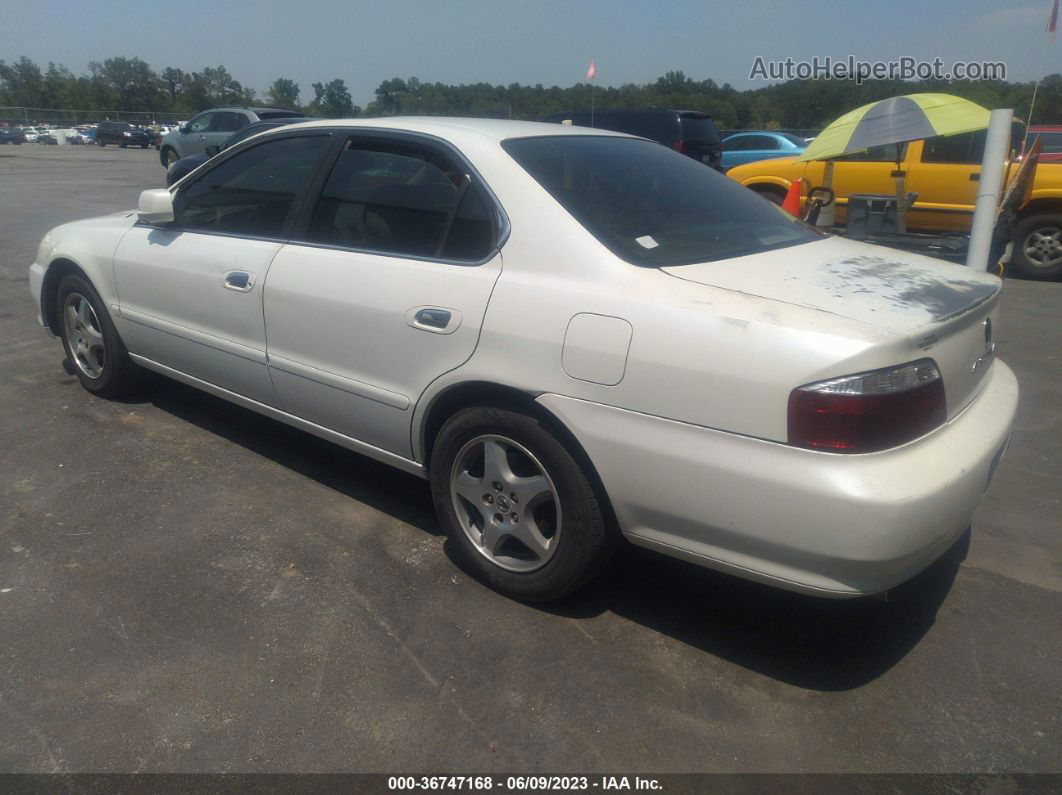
column 130, row 84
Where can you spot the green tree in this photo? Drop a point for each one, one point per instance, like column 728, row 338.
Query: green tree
column 333, row 100
column 284, row 93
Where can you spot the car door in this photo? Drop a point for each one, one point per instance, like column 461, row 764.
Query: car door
column 190, row 292
column 945, row 172
column 223, row 124
column 869, row 171
column 383, row 287
column 193, row 136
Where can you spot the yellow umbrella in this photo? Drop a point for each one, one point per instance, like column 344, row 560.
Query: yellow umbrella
column 890, row 121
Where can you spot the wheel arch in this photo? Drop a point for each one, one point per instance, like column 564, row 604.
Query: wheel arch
column 1041, row 206
column 779, row 186
column 468, row 394
column 57, row 269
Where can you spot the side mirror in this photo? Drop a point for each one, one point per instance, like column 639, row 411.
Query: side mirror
column 155, row 206
column 182, row 128
column 212, row 150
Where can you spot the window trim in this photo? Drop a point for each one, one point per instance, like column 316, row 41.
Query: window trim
column 243, row 146
column 500, row 220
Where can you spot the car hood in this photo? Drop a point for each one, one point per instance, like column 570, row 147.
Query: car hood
column 872, row 284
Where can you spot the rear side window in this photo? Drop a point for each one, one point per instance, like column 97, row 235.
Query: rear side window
column 399, row 199
column 1051, row 142
column 651, row 206
column 226, row 121
column 252, row 192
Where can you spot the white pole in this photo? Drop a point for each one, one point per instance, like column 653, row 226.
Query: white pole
column 989, row 188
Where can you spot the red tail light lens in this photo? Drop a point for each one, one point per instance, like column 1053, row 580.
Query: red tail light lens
column 870, row 411
column 680, row 147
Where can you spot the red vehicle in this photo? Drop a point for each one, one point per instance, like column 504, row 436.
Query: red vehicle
column 1050, row 136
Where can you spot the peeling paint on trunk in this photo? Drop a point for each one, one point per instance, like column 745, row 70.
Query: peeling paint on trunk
column 882, row 287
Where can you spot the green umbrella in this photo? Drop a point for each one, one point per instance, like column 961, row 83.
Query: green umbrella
column 895, row 120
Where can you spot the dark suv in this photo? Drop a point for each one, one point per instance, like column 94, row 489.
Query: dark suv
column 122, row 133
column 690, row 132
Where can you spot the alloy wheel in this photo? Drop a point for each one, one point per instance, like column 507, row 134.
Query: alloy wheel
column 506, row 503
column 1043, row 247
column 84, row 335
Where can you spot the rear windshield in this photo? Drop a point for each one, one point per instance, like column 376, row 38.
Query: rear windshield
column 701, row 129
column 651, row 206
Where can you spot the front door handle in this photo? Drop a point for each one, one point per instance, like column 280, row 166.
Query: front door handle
column 240, row 281
column 975, row 176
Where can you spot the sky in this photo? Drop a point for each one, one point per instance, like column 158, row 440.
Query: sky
column 506, row 41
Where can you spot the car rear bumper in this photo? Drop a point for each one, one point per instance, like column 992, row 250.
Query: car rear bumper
column 824, row 523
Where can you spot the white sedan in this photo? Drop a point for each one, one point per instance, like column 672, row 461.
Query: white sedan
column 575, row 335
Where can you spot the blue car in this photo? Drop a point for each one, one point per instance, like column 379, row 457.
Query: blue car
column 746, row 147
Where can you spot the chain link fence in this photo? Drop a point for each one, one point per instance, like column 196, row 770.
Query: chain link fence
column 72, row 117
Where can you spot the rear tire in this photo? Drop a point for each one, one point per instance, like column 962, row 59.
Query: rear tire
column 517, row 507
column 1038, row 246
column 93, row 347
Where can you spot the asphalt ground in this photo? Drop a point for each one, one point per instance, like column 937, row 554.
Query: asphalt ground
column 187, row 586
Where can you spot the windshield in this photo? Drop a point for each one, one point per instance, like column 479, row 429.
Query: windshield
column 651, row 206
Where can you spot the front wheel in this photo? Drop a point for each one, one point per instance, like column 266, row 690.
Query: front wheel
column 100, row 143
column 90, row 340
column 516, row 505
column 1038, row 246
column 169, row 157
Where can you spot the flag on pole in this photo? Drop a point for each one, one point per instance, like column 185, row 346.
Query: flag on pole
column 590, row 72
column 1052, row 23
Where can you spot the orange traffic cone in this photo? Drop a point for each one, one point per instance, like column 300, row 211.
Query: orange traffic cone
column 792, row 200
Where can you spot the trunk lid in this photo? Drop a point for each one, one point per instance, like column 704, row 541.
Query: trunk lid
column 935, row 309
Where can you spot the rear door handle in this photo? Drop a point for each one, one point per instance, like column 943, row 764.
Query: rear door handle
column 975, row 177
column 240, row 281
column 434, row 319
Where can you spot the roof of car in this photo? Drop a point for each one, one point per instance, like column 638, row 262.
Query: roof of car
column 253, row 109
column 495, row 129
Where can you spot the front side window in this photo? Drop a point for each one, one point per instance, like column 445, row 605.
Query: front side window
column 652, row 206
column 252, row 192
column 401, row 199
column 200, row 123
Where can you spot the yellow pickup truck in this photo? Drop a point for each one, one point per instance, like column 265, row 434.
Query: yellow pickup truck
column 944, row 172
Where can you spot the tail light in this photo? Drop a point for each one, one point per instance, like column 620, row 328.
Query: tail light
column 870, row 411
column 680, row 147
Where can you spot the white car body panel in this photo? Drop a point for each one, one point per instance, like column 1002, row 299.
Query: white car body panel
column 329, row 310
column 175, row 308
column 674, row 381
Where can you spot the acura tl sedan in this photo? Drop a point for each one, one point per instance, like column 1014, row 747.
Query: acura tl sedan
column 576, row 336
